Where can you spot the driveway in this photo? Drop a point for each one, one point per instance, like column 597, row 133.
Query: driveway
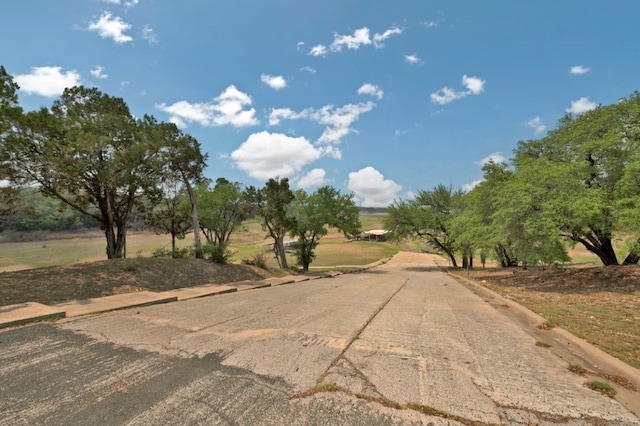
column 402, row 343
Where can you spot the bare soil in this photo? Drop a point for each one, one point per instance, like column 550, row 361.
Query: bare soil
column 108, row 277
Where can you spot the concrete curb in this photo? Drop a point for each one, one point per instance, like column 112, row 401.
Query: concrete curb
column 24, row 313
column 571, row 348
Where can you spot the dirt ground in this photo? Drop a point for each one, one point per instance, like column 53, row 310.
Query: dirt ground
column 104, row 278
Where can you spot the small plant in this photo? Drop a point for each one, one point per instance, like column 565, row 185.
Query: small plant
column 260, row 260
column 130, row 265
column 547, row 325
column 602, row 387
column 578, row 369
column 216, row 253
column 327, row 387
column 543, row 344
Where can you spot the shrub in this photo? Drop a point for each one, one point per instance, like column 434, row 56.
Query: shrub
column 216, row 253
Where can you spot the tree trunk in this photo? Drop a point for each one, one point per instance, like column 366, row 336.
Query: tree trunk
column 631, row 259
column 599, row 243
column 282, row 256
column 173, row 245
column 195, row 223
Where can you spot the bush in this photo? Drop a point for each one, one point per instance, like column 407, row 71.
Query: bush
column 181, row 253
column 216, row 253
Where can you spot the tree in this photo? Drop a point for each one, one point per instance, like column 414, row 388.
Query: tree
column 428, row 216
column 222, row 210
column 272, row 203
column 185, row 162
column 91, row 154
column 312, row 214
column 581, row 166
column 172, row 215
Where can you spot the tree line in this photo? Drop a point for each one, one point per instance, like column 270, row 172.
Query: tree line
column 579, row 184
column 90, row 154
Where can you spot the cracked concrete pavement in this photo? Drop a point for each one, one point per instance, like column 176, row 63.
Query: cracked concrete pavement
column 402, row 343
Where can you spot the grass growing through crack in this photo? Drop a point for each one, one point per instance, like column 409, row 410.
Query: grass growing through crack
column 542, row 344
column 602, row 387
column 577, row 369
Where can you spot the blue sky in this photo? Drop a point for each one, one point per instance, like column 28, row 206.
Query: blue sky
column 381, row 98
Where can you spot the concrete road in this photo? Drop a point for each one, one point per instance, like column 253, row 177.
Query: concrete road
column 399, row 344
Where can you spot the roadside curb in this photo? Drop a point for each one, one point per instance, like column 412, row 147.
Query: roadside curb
column 573, row 349
column 24, row 313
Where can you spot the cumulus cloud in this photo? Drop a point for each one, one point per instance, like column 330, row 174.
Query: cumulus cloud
column 371, row 89
column 581, row 106
column 230, row 108
column 47, row 81
column 371, row 188
column 474, row 86
column 338, row 121
column 299, row 45
column 496, row 157
column 316, row 177
column 108, row 26
column 278, row 114
column 98, row 72
column 412, row 59
column 266, row 155
column 360, row 37
column 579, row 70
column 319, row 50
column 536, row 125
column 276, row 82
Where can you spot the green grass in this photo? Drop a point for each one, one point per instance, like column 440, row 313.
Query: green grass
column 602, row 387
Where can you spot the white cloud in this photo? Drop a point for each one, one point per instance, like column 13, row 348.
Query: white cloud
column 581, row 106
column 474, row 86
column 446, row 95
column 278, row 114
column 98, row 72
column 228, row 108
column 536, row 125
column 379, row 38
column 310, row 70
column 371, row 188
column 339, row 120
column 496, row 157
column 299, row 45
column 108, row 26
column 319, row 50
column 131, row 3
column 47, row 81
column 150, row 35
column 371, row 89
column 360, row 37
column 412, row 59
column 579, row 70
column 315, row 177
column 469, row 186
column 266, row 155
column 112, row 1
column 276, row 82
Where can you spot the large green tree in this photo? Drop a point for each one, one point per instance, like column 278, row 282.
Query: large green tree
column 222, row 209
column 172, row 214
column 579, row 169
column 90, row 153
column 313, row 214
column 272, row 204
column 428, row 216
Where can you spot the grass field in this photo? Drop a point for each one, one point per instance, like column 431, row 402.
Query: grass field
column 247, row 242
